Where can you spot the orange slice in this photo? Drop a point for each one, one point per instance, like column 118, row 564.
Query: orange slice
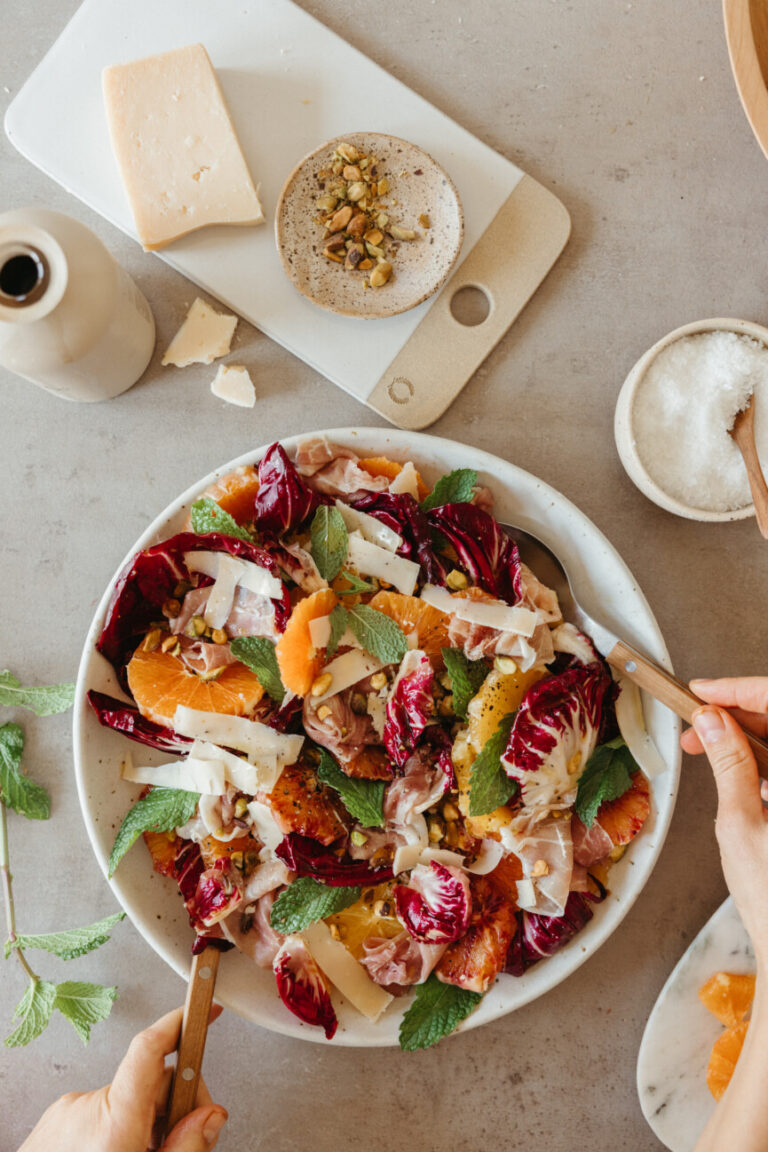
column 160, row 682
column 298, row 659
column 163, row 848
column 381, row 466
column 724, row 1057
column 372, row 915
column 236, row 492
column 413, row 615
column 622, row 819
column 212, row 849
column 728, row 996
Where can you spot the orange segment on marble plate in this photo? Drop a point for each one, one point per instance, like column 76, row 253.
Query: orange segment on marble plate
column 236, row 492
column 728, row 996
column 414, row 615
column 382, row 466
column 298, row 659
column 723, row 1058
column 160, row 682
column 622, row 819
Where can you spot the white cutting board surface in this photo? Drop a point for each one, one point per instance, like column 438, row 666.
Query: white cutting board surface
column 290, row 84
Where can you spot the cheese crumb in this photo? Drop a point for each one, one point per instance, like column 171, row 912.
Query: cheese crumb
column 233, row 383
column 204, row 336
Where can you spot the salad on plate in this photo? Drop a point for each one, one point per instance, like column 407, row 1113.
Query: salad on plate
column 392, row 767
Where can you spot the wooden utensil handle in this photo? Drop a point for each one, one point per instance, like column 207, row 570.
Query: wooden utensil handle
column 194, row 1029
column 756, row 477
column 663, row 686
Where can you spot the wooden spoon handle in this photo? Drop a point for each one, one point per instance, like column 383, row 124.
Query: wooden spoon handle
column 194, row 1030
column 745, row 438
column 663, row 686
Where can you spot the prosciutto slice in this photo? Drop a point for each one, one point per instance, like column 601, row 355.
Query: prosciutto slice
column 251, row 932
column 545, row 850
column 479, row 642
column 423, row 782
column 252, row 614
column 536, row 595
column 589, row 844
column 399, row 961
column 334, row 471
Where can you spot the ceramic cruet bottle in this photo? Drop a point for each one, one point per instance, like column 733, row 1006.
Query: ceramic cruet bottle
column 71, row 319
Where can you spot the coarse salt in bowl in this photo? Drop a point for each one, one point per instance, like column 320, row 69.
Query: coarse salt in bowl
column 675, row 410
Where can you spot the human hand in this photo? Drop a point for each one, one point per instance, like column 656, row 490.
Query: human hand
column 742, row 824
column 121, row 1116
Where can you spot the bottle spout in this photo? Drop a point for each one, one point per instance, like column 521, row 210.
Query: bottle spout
column 24, row 275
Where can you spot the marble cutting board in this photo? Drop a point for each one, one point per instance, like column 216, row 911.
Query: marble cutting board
column 672, row 1063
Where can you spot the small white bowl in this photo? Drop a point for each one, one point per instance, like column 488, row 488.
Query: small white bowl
column 624, row 426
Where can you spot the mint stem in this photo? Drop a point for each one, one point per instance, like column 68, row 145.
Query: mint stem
column 10, row 913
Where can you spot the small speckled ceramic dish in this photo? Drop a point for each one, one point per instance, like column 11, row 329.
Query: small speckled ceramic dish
column 418, row 186
column 624, row 425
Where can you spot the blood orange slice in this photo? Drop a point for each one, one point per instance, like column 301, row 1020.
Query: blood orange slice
column 476, row 959
column 413, row 615
column 728, row 996
column 297, row 657
column 163, row 848
column 160, row 682
column 622, row 819
column 724, row 1057
column 382, row 466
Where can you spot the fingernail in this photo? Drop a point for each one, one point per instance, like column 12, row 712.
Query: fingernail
column 709, row 725
column 213, row 1126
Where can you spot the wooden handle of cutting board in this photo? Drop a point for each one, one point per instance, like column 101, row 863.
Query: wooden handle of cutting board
column 665, row 687
column 194, row 1030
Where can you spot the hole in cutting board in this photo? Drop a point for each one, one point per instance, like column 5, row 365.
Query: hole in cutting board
column 471, row 306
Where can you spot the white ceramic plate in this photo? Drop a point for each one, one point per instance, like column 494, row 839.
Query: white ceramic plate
column 153, row 903
column 672, row 1063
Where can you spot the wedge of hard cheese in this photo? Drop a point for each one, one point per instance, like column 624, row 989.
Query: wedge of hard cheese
column 176, row 147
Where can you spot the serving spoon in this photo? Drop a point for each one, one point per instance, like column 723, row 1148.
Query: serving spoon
column 743, row 432
column 194, row 1031
column 626, row 659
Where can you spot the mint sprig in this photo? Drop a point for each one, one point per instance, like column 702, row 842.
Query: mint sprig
column 607, row 775
column 258, row 654
column 33, row 1012
column 466, row 677
column 17, row 791
column 84, row 1005
column 44, row 700
column 306, row 901
column 437, row 1009
column 70, row 944
column 338, row 623
column 208, row 516
column 377, row 632
column 159, row 811
column 363, row 799
column 489, row 785
column 329, row 541
column 357, row 586
column 454, row 488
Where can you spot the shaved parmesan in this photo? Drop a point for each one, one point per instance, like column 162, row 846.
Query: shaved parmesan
column 266, row 828
column 249, row 736
column 246, row 777
column 259, row 580
column 222, row 597
column 348, row 669
column 407, row 480
column 526, row 894
column 631, row 721
column 488, row 614
column 344, row 972
column 490, row 855
column 204, row 336
column 409, row 855
column 249, row 575
column 233, row 383
column 320, row 634
column 369, row 527
column 376, row 707
column 207, row 777
column 371, row 560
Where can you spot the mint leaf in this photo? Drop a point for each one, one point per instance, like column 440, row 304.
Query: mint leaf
column 258, row 654
column 466, row 677
column 436, row 1010
column 43, row 701
column 455, row 488
column 84, row 1005
column 489, row 785
column 330, row 541
column 363, row 799
column 607, row 776
column 71, row 943
column 34, row 1010
column 207, row 516
column 356, row 585
column 159, row 811
column 377, row 633
column 339, row 624
column 23, row 795
column 306, row 901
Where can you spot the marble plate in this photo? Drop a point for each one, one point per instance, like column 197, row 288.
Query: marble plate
column 419, row 186
column 152, row 901
column 672, row 1064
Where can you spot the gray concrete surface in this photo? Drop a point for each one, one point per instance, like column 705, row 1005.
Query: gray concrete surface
column 629, row 113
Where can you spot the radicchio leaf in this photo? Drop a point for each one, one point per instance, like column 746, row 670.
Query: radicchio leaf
column 283, row 500
column 556, row 729
column 307, row 857
column 301, row 986
column 436, row 906
column 149, row 579
column 401, row 513
column 539, row 936
column 209, row 894
column 485, row 551
column 409, row 707
column 126, row 718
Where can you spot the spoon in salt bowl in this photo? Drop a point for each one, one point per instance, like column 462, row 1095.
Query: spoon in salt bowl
column 628, row 661
column 743, row 433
